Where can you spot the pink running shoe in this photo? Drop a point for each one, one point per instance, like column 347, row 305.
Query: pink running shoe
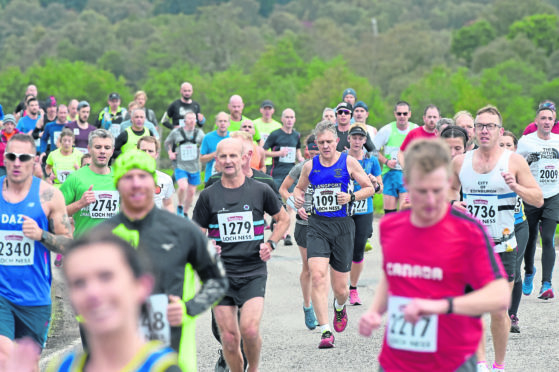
column 354, row 297
column 340, row 319
column 327, row 340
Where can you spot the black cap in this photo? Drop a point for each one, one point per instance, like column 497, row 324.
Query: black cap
column 114, row 95
column 356, row 129
column 344, row 106
column 267, row 103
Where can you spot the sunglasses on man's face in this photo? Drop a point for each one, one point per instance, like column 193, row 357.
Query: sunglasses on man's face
column 402, row 113
column 12, row 156
column 344, row 112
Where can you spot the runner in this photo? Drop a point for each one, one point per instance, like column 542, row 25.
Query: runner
column 344, row 114
column 363, row 216
column 164, row 188
column 389, row 139
column 33, row 223
column 266, row 125
column 465, row 120
column 128, row 140
column 81, row 128
column 301, row 228
column 431, row 116
column 112, row 115
column 285, row 149
column 176, row 248
column 541, row 149
column 181, row 106
column 431, row 324
column 232, row 212
column 63, row 161
column 509, row 142
column 258, row 159
column 89, row 192
column 104, row 261
column 456, row 138
column 331, row 230
column 491, row 178
column 209, row 144
column 8, row 131
column 183, row 146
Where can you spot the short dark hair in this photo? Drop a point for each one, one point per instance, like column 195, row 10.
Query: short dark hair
column 401, row 103
column 431, row 107
column 22, row 137
column 454, row 131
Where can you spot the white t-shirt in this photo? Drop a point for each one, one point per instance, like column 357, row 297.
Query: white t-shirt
column 543, row 157
column 164, row 188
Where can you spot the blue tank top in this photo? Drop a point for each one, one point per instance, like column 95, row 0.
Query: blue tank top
column 364, row 206
column 25, row 272
column 326, row 182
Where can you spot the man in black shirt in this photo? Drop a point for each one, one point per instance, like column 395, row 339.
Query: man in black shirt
column 180, row 107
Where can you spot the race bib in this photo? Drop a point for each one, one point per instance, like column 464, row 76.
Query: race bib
column 56, row 136
column 213, row 170
column 153, row 322
column 484, row 208
column 402, row 335
column 76, row 131
column 289, row 157
column 236, row 227
column 189, row 152
column 106, row 204
column 518, row 205
column 361, row 206
column 38, row 142
column 325, row 200
column 16, row 249
column 181, row 123
column 115, row 130
column 547, row 172
column 62, row 175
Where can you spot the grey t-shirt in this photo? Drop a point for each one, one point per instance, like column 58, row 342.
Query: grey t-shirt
column 187, row 146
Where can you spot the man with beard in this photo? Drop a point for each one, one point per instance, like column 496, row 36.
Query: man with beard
column 81, row 127
column 181, row 106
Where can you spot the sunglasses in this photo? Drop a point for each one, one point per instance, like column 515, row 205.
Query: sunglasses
column 547, row 105
column 12, row 156
column 344, row 112
column 402, row 113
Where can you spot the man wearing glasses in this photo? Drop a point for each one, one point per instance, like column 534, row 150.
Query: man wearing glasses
column 389, row 139
column 491, row 178
column 33, row 223
column 344, row 113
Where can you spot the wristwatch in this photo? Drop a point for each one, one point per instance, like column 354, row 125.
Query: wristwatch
column 351, row 197
column 43, row 236
column 273, row 244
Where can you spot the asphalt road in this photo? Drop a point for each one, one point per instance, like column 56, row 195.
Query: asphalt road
column 289, row 346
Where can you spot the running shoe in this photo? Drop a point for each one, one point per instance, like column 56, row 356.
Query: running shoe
column 546, row 292
column 514, row 327
column 482, row 367
column 180, row 211
column 495, row 368
column 528, row 284
column 326, row 340
column 287, row 240
column 221, row 365
column 310, row 317
column 354, row 297
column 340, row 319
column 368, row 246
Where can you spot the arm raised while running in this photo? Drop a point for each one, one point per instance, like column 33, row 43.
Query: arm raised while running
column 302, row 184
column 522, row 182
column 60, row 229
column 493, row 297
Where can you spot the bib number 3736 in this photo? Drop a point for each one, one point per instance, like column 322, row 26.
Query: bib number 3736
column 402, row 335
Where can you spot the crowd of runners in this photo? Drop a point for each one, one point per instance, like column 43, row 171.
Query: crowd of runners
column 86, row 189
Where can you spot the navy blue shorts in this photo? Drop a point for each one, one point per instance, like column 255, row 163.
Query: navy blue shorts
column 20, row 321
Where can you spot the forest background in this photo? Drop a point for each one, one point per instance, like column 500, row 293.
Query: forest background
column 459, row 55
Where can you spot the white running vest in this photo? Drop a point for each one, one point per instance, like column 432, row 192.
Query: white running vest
column 490, row 200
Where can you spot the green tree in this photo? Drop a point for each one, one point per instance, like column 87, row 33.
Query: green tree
column 541, row 29
column 467, row 39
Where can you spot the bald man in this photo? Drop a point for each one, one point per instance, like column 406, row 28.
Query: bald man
column 180, row 107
